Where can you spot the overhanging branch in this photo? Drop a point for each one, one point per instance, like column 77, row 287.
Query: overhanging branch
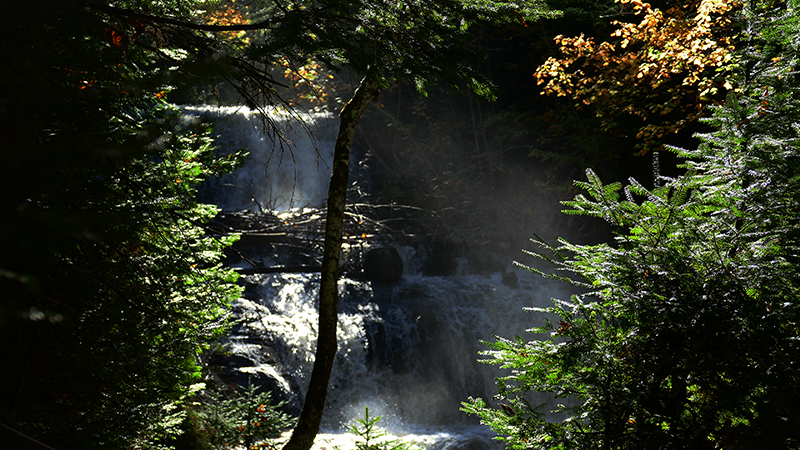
column 131, row 14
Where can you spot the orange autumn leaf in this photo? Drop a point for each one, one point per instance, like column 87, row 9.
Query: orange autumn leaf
column 653, row 67
column 114, row 37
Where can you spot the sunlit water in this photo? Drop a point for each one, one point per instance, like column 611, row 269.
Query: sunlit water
column 287, row 168
column 453, row 438
column 408, row 351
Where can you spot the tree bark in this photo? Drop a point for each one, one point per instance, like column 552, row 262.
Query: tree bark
column 311, row 415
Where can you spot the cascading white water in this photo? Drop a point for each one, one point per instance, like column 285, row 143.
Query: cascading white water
column 408, row 351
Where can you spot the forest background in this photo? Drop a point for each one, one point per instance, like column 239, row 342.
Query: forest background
column 111, row 280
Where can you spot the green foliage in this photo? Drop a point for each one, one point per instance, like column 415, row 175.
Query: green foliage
column 685, row 332
column 111, row 282
column 246, row 418
column 370, row 437
column 120, row 299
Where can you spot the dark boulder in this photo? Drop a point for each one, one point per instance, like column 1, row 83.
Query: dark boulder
column 510, row 280
column 383, row 265
column 447, row 258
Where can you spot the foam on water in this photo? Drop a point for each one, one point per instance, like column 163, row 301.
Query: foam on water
column 409, row 352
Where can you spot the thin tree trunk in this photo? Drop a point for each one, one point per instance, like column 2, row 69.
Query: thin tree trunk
column 311, row 416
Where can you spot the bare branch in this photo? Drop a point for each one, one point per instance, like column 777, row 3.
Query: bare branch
column 131, row 14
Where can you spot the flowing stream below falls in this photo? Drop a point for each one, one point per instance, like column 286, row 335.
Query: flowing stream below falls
column 408, row 348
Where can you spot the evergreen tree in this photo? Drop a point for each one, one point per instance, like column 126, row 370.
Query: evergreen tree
column 110, row 282
column 686, row 332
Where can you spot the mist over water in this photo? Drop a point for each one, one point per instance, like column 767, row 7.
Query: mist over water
column 407, row 350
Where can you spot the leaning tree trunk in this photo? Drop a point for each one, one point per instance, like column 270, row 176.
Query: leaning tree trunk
column 311, row 416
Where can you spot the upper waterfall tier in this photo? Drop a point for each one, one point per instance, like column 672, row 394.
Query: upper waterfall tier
column 289, row 163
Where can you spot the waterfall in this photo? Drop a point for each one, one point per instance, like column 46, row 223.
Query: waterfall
column 289, row 167
column 407, row 350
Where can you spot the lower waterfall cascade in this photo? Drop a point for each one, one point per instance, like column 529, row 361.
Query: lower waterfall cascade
column 408, row 350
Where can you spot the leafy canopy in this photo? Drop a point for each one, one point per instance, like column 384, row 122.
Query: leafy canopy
column 664, row 70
